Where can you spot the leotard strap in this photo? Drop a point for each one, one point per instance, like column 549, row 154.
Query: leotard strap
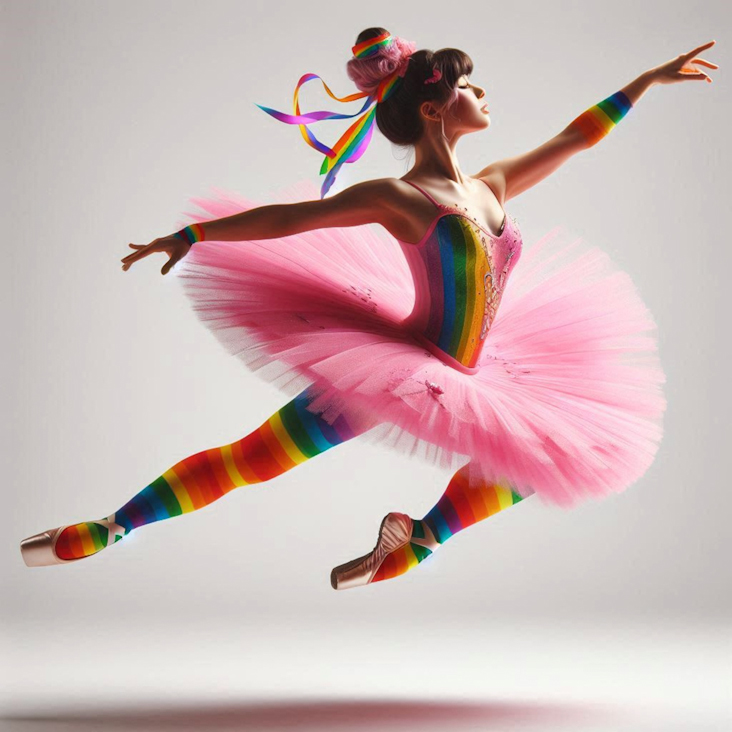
column 424, row 193
column 442, row 206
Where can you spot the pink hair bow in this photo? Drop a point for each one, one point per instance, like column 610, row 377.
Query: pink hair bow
column 436, row 76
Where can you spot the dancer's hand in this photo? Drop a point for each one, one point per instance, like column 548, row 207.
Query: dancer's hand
column 172, row 245
column 682, row 67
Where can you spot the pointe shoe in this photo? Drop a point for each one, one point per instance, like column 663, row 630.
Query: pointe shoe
column 39, row 550
column 395, row 531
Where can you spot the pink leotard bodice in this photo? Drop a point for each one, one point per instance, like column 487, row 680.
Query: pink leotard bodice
column 460, row 270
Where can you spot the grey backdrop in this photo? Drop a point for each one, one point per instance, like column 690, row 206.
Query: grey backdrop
column 115, row 114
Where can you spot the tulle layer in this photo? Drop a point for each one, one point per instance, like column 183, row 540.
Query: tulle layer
column 568, row 402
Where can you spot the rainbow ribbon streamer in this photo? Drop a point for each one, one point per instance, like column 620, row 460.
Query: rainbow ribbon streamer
column 354, row 141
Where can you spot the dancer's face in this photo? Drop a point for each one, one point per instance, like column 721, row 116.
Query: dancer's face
column 469, row 113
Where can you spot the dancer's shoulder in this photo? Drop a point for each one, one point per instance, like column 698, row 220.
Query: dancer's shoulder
column 372, row 201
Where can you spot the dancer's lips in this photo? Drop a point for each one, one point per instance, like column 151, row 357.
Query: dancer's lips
column 484, row 108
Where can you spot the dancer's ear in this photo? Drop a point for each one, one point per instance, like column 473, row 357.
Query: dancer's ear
column 428, row 111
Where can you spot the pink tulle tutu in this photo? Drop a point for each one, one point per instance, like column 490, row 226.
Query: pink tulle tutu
column 567, row 402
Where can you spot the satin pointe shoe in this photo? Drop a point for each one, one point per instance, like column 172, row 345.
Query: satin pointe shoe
column 39, row 550
column 394, row 533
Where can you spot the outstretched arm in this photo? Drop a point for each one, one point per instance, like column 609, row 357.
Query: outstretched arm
column 364, row 203
column 512, row 176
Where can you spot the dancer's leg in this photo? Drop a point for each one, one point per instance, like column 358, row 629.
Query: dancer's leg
column 466, row 501
column 289, row 437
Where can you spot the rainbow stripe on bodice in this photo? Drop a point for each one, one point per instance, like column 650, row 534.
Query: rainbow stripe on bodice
column 460, row 272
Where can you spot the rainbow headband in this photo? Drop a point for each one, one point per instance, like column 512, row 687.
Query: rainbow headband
column 354, row 141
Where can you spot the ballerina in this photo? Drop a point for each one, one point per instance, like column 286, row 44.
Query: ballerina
column 398, row 337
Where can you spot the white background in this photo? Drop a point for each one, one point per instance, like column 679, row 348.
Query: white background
column 115, row 115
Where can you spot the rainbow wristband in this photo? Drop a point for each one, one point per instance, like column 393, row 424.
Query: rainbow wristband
column 191, row 234
column 599, row 120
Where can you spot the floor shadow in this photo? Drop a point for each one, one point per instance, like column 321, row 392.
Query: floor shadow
column 322, row 715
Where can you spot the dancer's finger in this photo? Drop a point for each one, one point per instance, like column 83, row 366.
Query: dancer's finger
column 134, row 246
column 693, row 53
column 703, row 62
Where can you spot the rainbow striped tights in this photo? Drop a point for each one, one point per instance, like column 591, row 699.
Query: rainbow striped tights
column 289, row 437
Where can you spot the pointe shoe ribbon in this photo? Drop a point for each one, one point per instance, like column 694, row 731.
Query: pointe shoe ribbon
column 113, row 529
column 428, row 541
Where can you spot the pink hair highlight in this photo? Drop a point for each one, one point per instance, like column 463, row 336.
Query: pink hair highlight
column 367, row 73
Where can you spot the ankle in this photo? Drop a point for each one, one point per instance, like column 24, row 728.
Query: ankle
column 422, row 535
column 418, row 528
column 88, row 537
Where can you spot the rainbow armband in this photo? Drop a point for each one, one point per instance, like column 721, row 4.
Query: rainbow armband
column 599, row 120
column 191, row 234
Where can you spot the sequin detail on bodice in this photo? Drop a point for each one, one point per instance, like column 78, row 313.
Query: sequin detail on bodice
column 460, row 272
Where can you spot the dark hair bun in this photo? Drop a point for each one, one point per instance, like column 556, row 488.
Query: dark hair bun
column 368, row 72
column 398, row 116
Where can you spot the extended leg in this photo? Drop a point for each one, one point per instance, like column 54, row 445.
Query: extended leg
column 289, row 437
column 404, row 542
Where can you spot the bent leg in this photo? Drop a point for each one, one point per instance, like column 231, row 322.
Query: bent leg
column 288, row 438
column 465, row 502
